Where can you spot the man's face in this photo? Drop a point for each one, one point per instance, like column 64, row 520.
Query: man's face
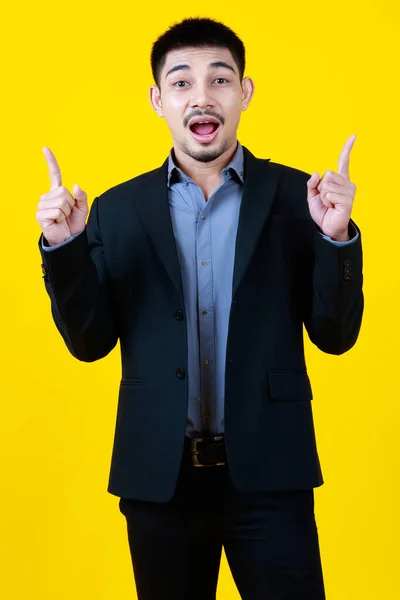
column 201, row 97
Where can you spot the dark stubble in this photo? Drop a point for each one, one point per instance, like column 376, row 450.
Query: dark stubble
column 206, row 155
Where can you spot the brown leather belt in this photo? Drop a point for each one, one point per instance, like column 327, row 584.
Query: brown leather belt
column 207, row 451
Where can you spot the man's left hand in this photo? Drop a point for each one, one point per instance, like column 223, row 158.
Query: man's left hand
column 330, row 198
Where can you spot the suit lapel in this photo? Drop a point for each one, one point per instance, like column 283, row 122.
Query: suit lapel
column 153, row 208
column 260, row 184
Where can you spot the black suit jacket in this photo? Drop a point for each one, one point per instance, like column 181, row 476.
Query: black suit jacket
column 120, row 279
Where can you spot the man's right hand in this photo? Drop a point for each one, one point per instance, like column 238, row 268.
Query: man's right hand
column 60, row 215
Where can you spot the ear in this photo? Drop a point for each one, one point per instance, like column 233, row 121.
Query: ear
column 247, row 92
column 155, row 99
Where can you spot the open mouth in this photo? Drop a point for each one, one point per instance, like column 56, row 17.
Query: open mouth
column 204, row 131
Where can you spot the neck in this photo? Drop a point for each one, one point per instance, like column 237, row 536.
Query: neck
column 207, row 175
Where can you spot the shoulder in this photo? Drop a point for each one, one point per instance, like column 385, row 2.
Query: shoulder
column 290, row 184
column 290, row 174
column 283, row 172
column 292, row 191
column 125, row 191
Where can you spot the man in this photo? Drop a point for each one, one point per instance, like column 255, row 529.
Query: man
column 206, row 270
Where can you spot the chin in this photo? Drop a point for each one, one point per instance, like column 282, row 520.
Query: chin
column 207, row 153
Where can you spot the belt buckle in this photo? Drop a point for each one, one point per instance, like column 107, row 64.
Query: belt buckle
column 195, row 452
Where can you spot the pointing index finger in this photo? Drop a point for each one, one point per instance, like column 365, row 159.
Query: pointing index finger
column 54, row 169
column 344, row 158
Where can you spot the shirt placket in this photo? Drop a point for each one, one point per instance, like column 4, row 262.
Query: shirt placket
column 206, row 316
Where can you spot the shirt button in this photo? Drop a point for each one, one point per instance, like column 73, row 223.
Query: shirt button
column 203, row 312
column 181, row 373
column 179, row 316
column 203, row 262
column 203, row 218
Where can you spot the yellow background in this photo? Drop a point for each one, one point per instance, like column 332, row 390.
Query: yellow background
column 74, row 76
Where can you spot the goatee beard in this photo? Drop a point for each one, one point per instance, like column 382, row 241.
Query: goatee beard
column 205, row 155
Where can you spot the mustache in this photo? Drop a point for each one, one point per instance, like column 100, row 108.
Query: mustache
column 203, row 113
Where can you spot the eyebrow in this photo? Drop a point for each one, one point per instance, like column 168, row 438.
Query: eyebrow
column 213, row 65
column 219, row 64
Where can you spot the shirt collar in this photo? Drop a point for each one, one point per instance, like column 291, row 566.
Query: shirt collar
column 175, row 174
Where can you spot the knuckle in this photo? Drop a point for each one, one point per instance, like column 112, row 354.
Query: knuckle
column 62, row 193
column 63, row 205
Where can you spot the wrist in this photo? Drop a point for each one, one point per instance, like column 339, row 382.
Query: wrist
column 49, row 243
column 52, row 244
column 341, row 237
column 344, row 235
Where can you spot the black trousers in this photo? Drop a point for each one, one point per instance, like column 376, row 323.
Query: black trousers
column 270, row 540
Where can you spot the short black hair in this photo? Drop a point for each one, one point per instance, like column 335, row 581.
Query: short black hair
column 195, row 33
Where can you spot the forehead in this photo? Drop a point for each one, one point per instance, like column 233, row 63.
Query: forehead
column 197, row 58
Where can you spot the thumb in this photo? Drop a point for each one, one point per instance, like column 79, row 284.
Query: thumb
column 312, row 186
column 80, row 197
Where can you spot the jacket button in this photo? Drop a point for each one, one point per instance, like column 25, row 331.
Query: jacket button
column 44, row 272
column 179, row 316
column 181, row 373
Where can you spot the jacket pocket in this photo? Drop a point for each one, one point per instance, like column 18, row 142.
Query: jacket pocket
column 289, row 386
column 132, row 382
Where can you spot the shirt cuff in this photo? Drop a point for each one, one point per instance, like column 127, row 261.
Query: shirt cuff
column 67, row 241
column 353, row 232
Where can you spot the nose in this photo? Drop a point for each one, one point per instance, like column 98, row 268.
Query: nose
column 201, row 97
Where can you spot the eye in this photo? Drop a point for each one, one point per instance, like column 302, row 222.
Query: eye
column 181, row 83
column 220, row 80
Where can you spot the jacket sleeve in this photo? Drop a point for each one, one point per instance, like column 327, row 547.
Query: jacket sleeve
column 76, row 280
column 335, row 301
